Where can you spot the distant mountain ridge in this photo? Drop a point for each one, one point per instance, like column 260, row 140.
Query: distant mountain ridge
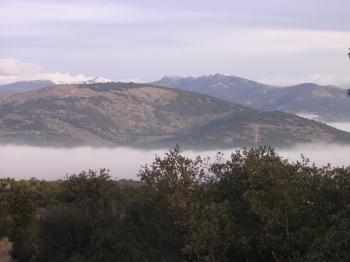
column 26, row 86
column 144, row 115
column 217, row 85
column 324, row 103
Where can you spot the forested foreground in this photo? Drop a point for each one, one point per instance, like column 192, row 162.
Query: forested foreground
column 255, row 206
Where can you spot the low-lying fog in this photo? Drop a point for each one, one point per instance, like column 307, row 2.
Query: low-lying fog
column 23, row 162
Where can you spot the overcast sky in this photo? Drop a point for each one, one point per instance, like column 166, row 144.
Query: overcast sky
column 279, row 42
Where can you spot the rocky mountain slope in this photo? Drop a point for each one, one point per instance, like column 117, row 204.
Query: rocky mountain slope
column 143, row 115
column 324, row 103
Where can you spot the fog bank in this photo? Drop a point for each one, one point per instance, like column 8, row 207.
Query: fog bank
column 23, row 162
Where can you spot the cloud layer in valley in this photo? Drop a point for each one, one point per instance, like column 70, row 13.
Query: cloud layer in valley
column 24, row 162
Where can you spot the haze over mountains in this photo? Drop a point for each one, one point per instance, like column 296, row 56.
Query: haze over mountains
column 144, row 115
column 324, row 103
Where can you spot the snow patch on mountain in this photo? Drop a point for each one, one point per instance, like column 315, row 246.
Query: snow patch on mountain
column 94, row 80
column 97, row 80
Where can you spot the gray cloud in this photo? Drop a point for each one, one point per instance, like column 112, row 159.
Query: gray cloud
column 274, row 40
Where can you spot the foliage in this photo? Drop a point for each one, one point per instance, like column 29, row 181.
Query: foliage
column 254, row 206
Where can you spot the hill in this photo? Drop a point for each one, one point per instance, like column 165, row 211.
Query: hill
column 324, row 103
column 144, row 115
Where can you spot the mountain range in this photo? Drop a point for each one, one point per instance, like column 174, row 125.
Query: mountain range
column 146, row 115
column 25, row 86
column 323, row 103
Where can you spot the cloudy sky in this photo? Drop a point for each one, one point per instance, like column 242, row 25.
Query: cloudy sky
column 274, row 41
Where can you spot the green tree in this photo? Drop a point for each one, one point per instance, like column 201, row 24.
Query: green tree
column 64, row 234
column 335, row 244
column 145, row 231
column 23, row 230
column 185, row 186
column 5, row 217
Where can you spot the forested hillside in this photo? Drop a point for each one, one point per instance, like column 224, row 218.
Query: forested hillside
column 255, row 206
column 144, row 115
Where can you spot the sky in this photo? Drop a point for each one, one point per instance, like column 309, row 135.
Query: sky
column 279, row 42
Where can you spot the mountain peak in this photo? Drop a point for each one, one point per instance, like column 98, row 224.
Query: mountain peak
column 210, row 77
column 176, row 78
column 220, row 75
column 96, row 80
column 224, row 86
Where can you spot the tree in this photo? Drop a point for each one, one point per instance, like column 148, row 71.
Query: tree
column 86, row 201
column 335, row 244
column 5, row 217
column 185, row 186
column 23, row 229
column 64, row 234
column 146, row 230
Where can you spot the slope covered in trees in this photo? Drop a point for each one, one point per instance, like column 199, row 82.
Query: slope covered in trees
column 255, row 206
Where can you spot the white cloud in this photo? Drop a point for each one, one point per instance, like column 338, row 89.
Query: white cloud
column 12, row 70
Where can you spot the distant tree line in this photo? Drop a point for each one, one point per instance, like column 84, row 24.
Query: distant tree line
column 256, row 206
